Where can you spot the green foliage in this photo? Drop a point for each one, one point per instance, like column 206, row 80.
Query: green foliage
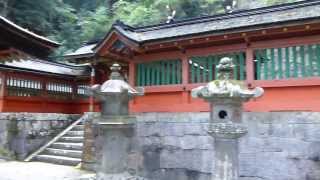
column 6, row 154
column 95, row 24
column 274, row 2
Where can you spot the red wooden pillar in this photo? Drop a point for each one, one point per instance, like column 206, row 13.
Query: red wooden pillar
column 44, row 95
column 92, row 81
column 3, row 91
column 132, row 73
column 185, row 78
column 249, row 66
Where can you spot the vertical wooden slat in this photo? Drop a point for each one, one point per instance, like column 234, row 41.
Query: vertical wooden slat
column 155, row 73
column 198, row 71
column 258, row 67
column 280, row 61
column 193, row 76
column 273, row 64
column 242, row 65
column 287, row 62
column 318, row 58
column 265, row 61
column 216, row 61
column 310, row 68
column 179, row 71
column 143, row 75
column 168, row 73
column 303, row 62
column 295, row 62
column 151, row 69
column 163, row 73
column 158, row 73
column 210, row 63
column 138, row 76
column 174, row 72
column 204, row 62
column 148, row 77
column 236, row 65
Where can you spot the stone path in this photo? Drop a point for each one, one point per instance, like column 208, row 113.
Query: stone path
column 39, row 171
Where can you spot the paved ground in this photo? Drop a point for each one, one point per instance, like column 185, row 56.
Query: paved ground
column 38, row 171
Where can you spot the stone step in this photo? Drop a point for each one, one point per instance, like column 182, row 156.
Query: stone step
column 71, row 139
column 58, row 160
column 78, row 128
column 67, row 146
column 75, row 133
column 63, row 152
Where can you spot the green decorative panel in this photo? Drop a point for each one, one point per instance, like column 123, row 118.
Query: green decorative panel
column 203, row 69
column 288, row 62
column 164, row 72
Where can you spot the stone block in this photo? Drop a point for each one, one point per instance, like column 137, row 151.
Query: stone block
column 196, row 160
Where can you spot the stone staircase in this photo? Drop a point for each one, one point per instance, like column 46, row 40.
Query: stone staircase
column 65, row 148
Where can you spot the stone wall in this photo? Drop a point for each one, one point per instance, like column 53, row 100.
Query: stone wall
column 175, row 146
column 23, row 133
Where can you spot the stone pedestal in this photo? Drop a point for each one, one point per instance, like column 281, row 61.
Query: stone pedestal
column 226, row 159
column 117, row 134
column 88, row 152
column 117, row 145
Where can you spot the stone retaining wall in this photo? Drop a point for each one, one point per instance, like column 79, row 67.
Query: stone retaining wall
column 23, row 133
column 175, row 146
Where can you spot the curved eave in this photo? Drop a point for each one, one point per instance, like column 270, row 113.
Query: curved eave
column 116, row 33
column 28, row 34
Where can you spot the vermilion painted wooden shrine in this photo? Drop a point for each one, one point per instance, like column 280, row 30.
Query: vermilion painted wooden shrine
column 277, row 48
column 30, row 83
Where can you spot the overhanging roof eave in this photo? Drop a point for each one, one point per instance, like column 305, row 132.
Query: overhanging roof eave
column 231, row 30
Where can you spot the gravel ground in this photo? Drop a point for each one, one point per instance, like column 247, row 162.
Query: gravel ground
column 39, row 171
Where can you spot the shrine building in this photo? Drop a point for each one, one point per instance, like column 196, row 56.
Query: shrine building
column 276, row 47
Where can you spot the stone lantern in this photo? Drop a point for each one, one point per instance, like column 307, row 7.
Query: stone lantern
column 115, row 94
column 226, row 97
column 115, row 126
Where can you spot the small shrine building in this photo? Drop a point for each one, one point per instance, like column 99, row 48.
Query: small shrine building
column 29, row 82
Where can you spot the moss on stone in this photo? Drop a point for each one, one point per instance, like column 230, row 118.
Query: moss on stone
column 6, row 154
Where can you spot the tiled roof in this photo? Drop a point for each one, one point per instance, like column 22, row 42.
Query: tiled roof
column 36, row 65
column 303, row 10
column 84, row 50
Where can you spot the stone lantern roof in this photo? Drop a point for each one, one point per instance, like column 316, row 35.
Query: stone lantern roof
column 225, row 87
column 116, row 85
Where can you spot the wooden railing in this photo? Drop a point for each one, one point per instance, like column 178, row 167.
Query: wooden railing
column 203, row 68
column 35, row 87
column 288, row 62
column 164, row 72
column 28, row 92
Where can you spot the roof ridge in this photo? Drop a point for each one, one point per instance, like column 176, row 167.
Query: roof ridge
column 234, row 14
